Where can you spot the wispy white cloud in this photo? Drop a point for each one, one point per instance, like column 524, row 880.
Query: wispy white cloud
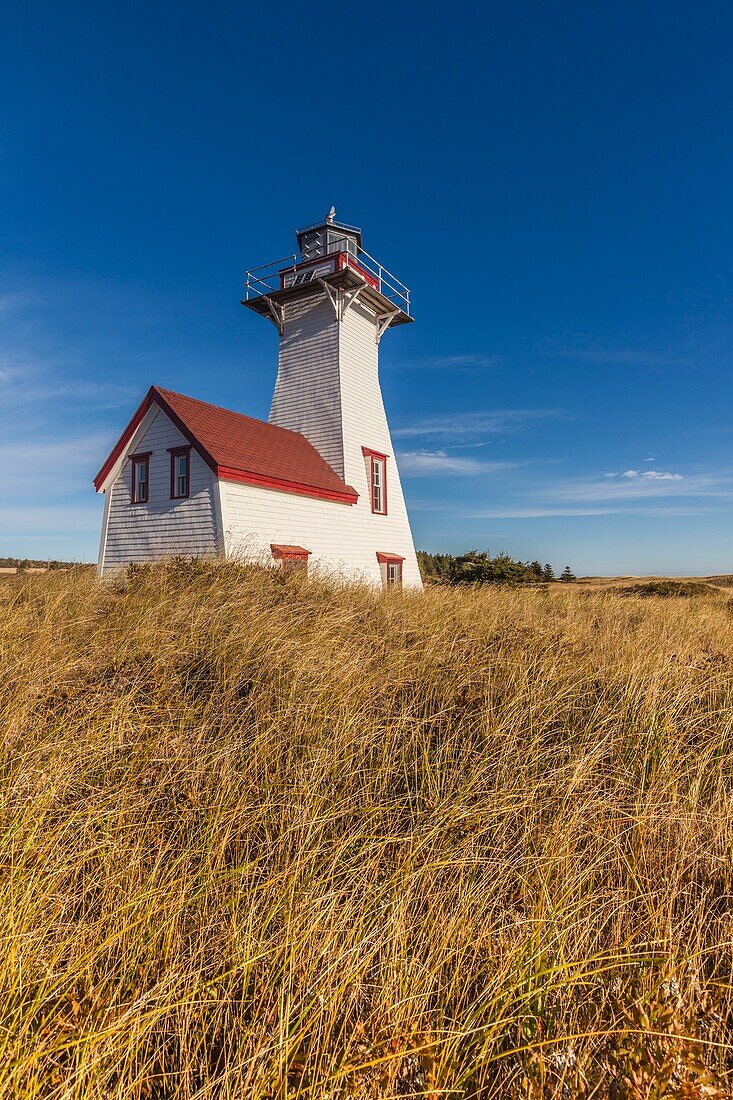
column 13, row 301
column 468, row 425
column 530, row 512
column 39, row 468
column 42, row 370
column 48, row 521
column 468, row 363
column 633, row 485
column 39, row 383
column 657, row 493
column 588, row 351
column 649, row 475
column 423, row 463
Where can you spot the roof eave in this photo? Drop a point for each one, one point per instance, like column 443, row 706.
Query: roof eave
column 347, row 495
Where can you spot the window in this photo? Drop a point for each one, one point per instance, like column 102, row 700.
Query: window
column 394, row 573
column 140, row 478
column 391, row 568
column 180, row 471
column 376, row 467
column 293, row 559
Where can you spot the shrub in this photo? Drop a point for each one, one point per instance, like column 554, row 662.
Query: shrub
column 667, row 588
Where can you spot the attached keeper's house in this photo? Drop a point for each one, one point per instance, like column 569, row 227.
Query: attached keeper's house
column 315, row 487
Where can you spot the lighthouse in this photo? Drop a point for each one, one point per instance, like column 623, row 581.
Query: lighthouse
column 316, row 487
column 331, row 304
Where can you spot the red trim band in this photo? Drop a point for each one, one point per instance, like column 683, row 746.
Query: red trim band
column 385, row 559
column 265, row 481
column 345, row 259
column 342, row 260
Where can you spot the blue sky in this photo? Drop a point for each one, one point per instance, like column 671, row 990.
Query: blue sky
column 553, row 180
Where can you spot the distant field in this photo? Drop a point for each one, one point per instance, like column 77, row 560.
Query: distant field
column 721, row 581
column 26, row 565
column 265, row 839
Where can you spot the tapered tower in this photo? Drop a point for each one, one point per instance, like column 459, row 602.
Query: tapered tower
column 331, row 304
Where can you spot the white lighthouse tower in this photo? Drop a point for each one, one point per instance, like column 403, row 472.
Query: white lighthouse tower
column 331, row 304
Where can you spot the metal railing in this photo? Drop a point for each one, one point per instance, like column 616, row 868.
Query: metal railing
column 268, row 277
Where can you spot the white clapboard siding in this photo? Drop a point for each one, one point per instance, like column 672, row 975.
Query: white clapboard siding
column 328, row 387
column 162, row 527
column 255, row 518
column 307, row 392
column 365, row 425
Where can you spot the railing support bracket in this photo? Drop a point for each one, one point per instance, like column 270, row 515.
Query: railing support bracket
column 277, row 314
column 384, row 321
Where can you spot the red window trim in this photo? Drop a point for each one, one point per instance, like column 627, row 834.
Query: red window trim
column 174, row 452
column 141, row 456
column 371, row 455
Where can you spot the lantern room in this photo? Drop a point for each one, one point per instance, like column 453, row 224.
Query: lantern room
column 331, row 260
column 317, row 241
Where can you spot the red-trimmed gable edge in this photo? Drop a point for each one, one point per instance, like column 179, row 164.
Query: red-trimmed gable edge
column 340, row 493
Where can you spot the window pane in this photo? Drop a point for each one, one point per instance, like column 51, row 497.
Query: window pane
column 140, row 482
column 394, row 573
column 179, row 474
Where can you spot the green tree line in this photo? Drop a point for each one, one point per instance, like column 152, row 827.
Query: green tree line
column 478, row 567
column 33, row 563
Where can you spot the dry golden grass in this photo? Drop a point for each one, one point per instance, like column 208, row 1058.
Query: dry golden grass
column 266, row 839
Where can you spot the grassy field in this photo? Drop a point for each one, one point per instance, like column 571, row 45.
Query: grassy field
column 266, row 839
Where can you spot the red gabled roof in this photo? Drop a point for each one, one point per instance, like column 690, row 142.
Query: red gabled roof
column 240, row 448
